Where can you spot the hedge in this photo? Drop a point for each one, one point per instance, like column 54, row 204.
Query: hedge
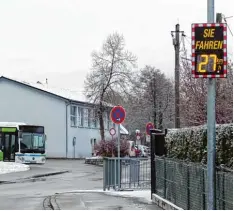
column 109, row 148
column 191, row 144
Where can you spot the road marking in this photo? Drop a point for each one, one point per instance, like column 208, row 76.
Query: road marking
column 82, row 202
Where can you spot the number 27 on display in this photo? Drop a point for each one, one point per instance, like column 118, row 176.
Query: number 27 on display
column 204, row 60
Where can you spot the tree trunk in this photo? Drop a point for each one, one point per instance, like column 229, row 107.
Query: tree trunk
column 155, row 118
column 160, row 117
column 101, row 122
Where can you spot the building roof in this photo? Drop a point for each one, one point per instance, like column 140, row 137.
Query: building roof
column 64, row 94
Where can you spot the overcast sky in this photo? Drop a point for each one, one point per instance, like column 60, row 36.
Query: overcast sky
column 54, row 38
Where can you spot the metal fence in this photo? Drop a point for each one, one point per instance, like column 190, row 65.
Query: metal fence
column 135, row 173
column 184, row 184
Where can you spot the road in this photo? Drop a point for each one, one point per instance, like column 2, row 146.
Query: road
column 29, row 194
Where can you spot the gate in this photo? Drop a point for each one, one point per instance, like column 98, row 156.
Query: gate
column 134, row 173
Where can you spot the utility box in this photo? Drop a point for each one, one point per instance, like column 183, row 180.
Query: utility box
column 157, row 143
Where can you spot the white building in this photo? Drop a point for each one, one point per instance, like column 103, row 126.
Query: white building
column 64, row 117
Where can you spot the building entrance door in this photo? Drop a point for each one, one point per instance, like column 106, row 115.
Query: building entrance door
column 8, row 146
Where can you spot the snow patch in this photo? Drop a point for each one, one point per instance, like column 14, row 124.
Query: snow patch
column 94, row 158
column 9, row 167
column 143, row 195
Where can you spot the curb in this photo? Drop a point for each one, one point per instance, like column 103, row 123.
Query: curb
column 33, row 177
column 47, row 174
column 58, row 158
column 54, row 203
column 163, row 203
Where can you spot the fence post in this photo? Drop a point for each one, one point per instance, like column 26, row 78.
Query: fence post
column 153, row 171
column 156, row 191
column 115, row 174
column 223, row 191
column 108, row 176
column 203, row 189
column 188, row 186
column 165, row 180
column 104, row 175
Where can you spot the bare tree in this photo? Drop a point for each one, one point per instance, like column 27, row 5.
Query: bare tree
column 111, row 74
column 151, row 99
column 157, row 93
column 193, row 94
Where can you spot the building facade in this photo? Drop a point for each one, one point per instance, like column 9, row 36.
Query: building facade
column 71, row 126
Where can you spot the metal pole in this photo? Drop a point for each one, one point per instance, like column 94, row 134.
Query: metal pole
column 74, row 152
column 177, row 76
column 118, row 156
column 211, row 142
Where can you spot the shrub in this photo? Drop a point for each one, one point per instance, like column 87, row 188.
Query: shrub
column 191, row 144
column 109, row 148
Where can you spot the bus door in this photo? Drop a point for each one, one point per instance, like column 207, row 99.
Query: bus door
column 8, row 146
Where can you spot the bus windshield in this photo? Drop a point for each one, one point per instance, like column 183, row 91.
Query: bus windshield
column 32, row 142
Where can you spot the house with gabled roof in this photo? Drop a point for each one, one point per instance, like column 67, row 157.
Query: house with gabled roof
column 71, row 125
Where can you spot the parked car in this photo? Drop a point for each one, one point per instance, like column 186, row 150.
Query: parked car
column 145, row 151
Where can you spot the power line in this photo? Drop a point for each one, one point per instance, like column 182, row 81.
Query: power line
column 225, row 19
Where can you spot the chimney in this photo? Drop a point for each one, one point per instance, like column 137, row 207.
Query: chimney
column 46, row 83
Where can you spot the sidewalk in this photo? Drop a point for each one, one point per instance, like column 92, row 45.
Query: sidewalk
column 97, row 201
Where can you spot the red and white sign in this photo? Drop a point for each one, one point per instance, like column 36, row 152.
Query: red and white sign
column 147, row 138
column 117, row 114
column 138, row 137
column 112, row 131
column 149, row 126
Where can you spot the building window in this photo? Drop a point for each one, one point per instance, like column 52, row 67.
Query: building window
column 109, row 122
column 81, row 116
column 94, row 118
column 89, row 118
column 85, row 117
column 73, row 113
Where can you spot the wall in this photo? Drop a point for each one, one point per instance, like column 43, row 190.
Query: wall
column 19, row 103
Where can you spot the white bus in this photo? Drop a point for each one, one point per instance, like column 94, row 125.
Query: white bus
column 22, row 143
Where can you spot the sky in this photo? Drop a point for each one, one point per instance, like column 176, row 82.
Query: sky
column 54, row 39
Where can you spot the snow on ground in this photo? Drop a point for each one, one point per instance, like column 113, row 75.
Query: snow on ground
column 141, row 194
column 9, row 167
column 144, row 195
column 94, row 158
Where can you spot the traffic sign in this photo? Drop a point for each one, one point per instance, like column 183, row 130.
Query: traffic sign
column 112, row 131
column 149, row 126
column 117, row 114
column 209, row 50
column 138, row 137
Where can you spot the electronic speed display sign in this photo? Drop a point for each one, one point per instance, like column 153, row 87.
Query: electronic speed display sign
column 209, row 50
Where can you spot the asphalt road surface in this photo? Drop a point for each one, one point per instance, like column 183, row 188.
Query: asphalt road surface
column 22, row 192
